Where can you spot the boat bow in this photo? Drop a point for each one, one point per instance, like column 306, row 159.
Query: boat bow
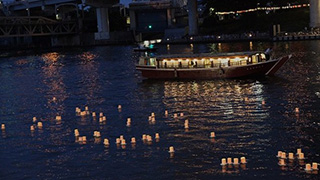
column 278, row 65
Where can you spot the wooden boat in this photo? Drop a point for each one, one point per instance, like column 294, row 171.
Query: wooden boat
column 209, row 66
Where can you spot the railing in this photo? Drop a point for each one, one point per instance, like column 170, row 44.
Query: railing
column 35, row 26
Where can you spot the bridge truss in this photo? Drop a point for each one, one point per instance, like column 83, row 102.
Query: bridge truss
column 35, row 26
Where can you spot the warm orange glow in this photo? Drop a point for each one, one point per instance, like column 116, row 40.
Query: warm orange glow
column 51, row 57
column 87, row 56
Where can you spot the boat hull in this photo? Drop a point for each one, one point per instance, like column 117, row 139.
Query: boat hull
column 260, row 69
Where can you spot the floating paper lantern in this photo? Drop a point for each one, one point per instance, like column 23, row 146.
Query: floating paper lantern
column 223, row 161
column 171, row 149
column 106, row 142
column 144, row 137
column 123, row 142
column 84, row 138
column 243, row 160
column 279, row 154
column 235, row 161
column 212, row 135
column 40, row 124
column 76, row 132
column 129, row 122
column 58, row 118
column 315, row 166
column 83, row 113
column 229, row 160
column 157, row 136
column 98, row 134
column 291, row 156
column 308, row 167
column 133, row 140
column 299, row 151
column 301, row 156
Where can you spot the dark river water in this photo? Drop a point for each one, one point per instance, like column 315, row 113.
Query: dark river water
column 44, row 85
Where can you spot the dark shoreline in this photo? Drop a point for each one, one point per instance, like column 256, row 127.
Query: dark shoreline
column 11, row 51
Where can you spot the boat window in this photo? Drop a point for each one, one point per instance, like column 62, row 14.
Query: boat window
column 185, row 63
column 142, row 61
column 216, row 63
column 207, row 63
column 254, row 59
column 174, row 63
column 201, row 63
column 162, row 64
column 243, row 62
column 224, row 62
column 238, row 60
column 152, row 61
column 263, row 56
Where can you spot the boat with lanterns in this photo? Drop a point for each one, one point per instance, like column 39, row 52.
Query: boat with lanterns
column 210, row 66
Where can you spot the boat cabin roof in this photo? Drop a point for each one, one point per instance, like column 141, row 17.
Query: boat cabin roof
column 207, row 55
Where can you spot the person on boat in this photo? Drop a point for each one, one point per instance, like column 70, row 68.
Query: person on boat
column 268, row 53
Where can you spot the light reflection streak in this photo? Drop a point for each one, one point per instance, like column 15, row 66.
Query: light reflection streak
column 56, row 94
column 53, row 78
column 218, row 106
column 89, row 74
column 87, row 56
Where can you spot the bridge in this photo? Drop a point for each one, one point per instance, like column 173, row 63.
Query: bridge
column 22, row 26
column 27, row 25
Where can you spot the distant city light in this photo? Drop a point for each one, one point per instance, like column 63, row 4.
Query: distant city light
column 263, row 9
column 150, row 26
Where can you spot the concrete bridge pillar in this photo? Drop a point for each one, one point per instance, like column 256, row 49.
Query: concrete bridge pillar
column 193, row 17
column 314, row 13
column 103, row 24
